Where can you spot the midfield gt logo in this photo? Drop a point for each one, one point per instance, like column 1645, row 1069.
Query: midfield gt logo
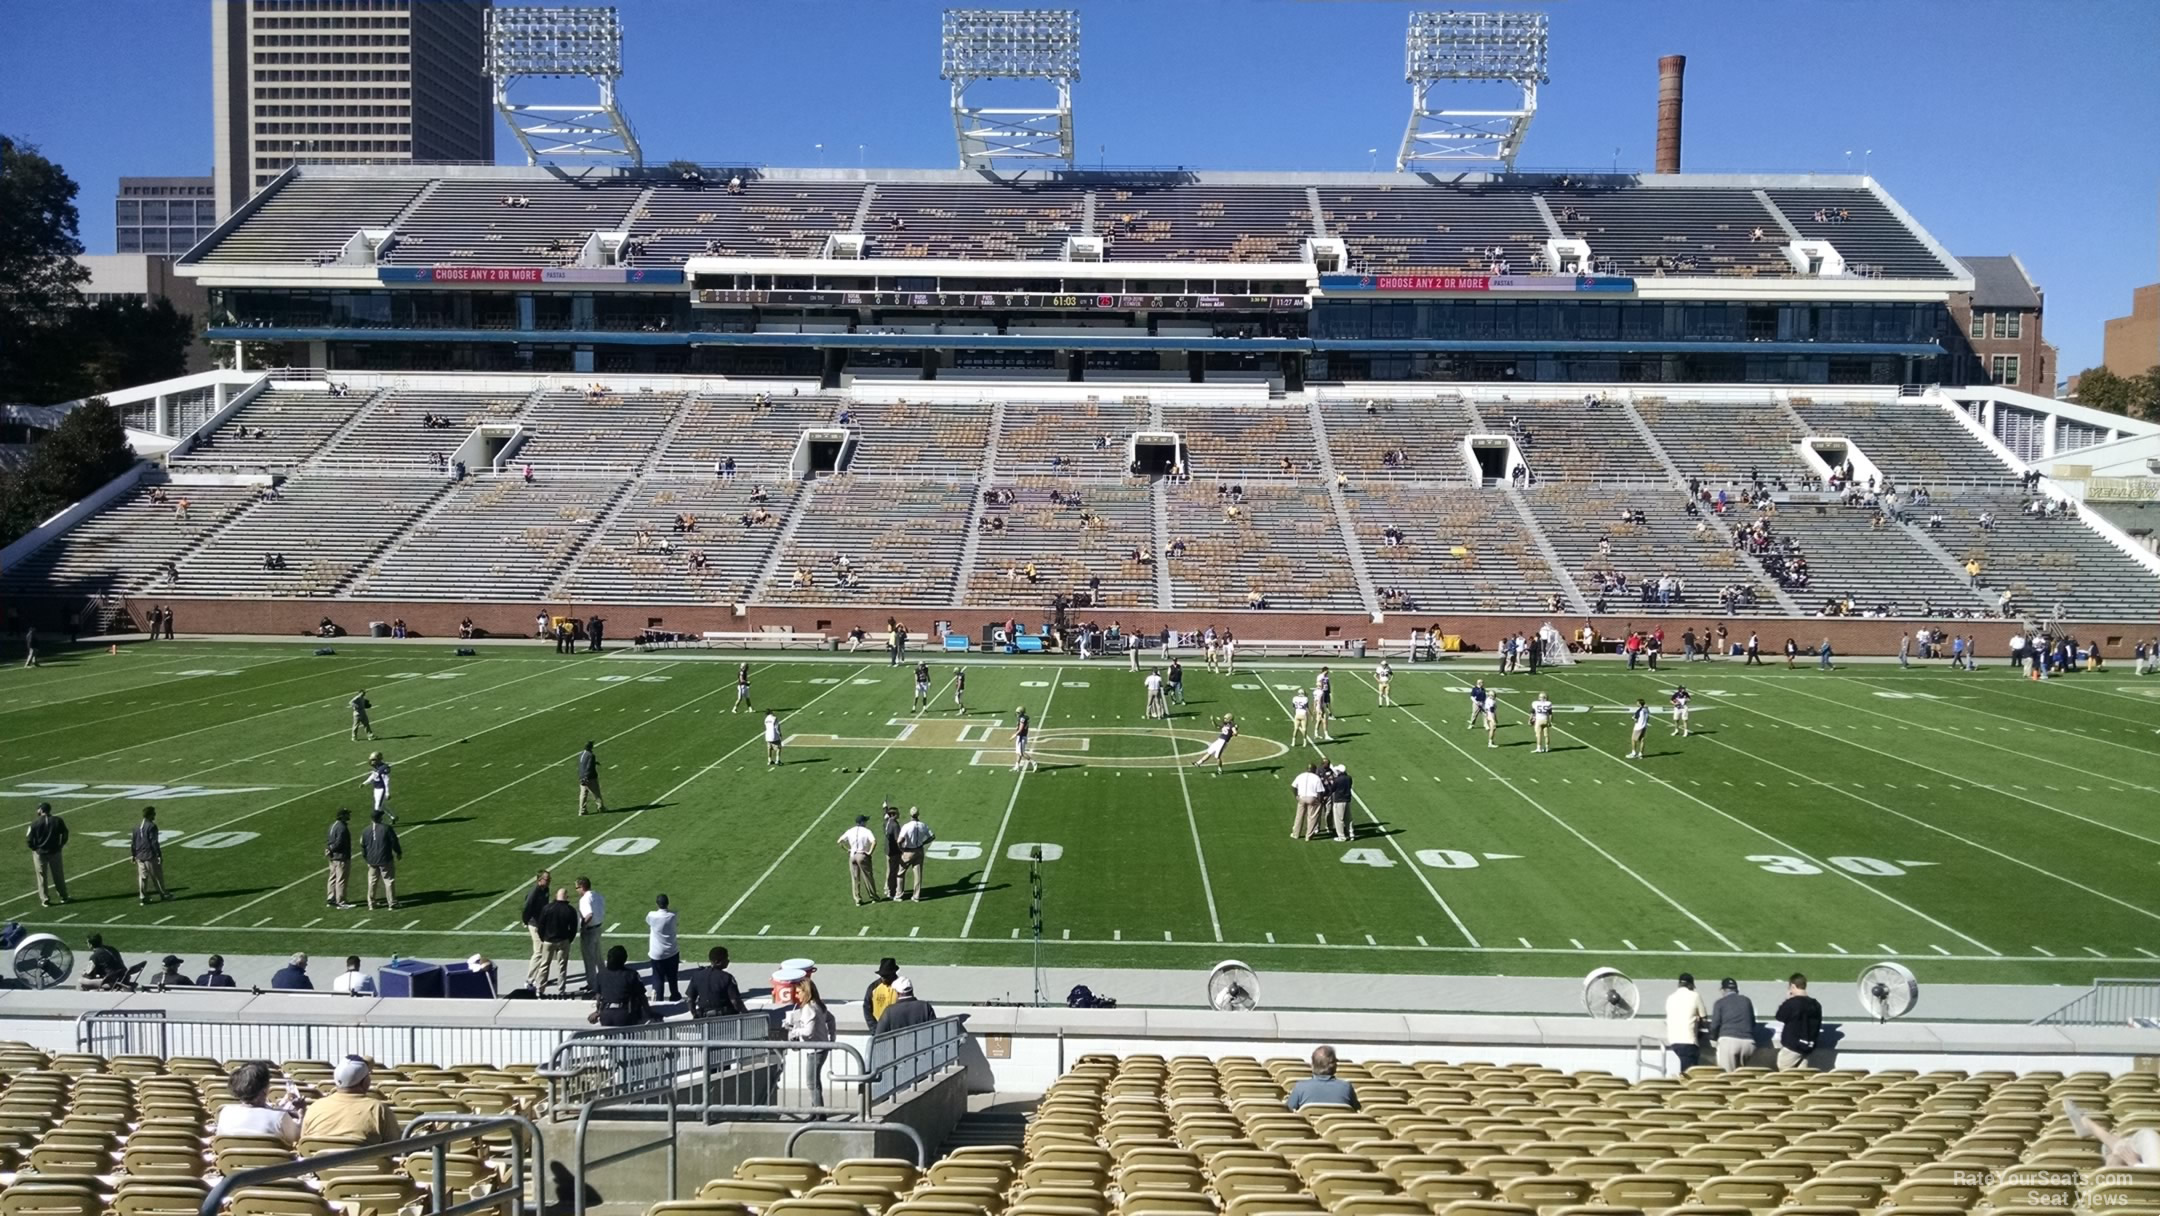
column 990, row 742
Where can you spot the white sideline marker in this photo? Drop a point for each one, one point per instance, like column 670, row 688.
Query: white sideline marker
column 1787, row 949
column 2038, row 950
column 1939, row 950
column 1839, row 949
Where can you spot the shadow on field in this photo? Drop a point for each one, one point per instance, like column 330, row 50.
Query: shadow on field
column 180, row 893
column 417, row 899
column 625, row 810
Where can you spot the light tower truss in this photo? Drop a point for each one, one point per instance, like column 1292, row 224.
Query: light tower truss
column 1011, row 44
column 583, row 45
column 1496, row 50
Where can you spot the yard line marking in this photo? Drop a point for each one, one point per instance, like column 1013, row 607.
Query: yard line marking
column 715, row 927
column 1886, row 949
column 1571, row 830
column 1526, row 943
column 362, row 921
column 411, row 925
column 1420, row 941
column 2147, row 953
column 2094, row 953
column 1271, row 939
column 609, row 833
column 1575, row 942
column 311, row 924
column 1792, row 849
column 1787, row 949
column 997, row 845
column 1192, row 821
column 1838, row 948
column 161, row 920
column 1939, row 950
column 323, row 789
column 264, row 921
column 2038, row 950
column 1683, row 945
column 497, row 791
column 1937, row 828
column 762, row 932
column 1359, row 800
column 1630, row 945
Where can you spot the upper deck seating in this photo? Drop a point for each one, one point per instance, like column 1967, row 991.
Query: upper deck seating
column 1397, row 439
column 1574, row 441
column 1203, row 223
column 1724, row 443
column 769, row 219
column 1002, row 223
column 922, row 439
column 759, row 432
column 309, row 219
column 394, row 430
column 1062, row 439
column 1652, row 233
column 1444, row 230
column 1913, row 443
column 1245, row 440
column 1855, row 222
column 500, row 222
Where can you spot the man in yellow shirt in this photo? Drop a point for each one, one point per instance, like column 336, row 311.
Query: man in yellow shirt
column 879, row 995
column 350, row 1114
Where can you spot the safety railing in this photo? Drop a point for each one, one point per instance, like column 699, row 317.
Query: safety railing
column 154, row 1032
column 663, row 1098
column 2112, row 1002
column 437, row 1143
column 901, row 1059
column 738, row 1080
column 719, row 1051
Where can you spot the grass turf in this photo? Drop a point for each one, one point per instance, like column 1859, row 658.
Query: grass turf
column 1991, row 829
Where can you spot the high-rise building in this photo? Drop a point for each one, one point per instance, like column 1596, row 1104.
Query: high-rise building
column 345, row 82
column 163, row 215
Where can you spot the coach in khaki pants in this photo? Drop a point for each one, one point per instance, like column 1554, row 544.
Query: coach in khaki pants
column 338, row 849
column 149, row 858
column 536, row 902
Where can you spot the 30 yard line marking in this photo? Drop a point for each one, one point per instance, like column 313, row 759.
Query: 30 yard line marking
column 1792, row 849
column 997, row 845
column 1569, row 828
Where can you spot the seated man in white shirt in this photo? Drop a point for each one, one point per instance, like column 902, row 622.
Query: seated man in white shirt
column 354, row 982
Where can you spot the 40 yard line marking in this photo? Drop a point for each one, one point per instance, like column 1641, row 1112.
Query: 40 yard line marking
column 997, row 846
column 1415, row 869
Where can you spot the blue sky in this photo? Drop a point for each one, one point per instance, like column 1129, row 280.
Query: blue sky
column 2029, row 128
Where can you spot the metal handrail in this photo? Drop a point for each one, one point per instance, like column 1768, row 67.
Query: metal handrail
column 584, row 1124
column 940, row 1038
column 214, row 1202
column 707, row 1106
column 517, row 1151
column 2110, row 1002
column 922, row 1147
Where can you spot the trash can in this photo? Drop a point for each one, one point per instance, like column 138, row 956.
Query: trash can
column 409, row 977
column 378, row 629
column 1357, row 648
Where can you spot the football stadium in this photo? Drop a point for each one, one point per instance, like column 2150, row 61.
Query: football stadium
column 599, row 611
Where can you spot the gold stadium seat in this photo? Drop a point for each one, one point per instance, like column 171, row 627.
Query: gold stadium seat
column 1167, row 1203
column 1754, row 1194
column 1440, row 1192
column 1177, row 1179
column 874, row 1199
column 155, row 1198
column 1861, row 1193
column 278, row 1201
column 815, row 1207
column 1269, row 1205
column 756, row 1193
column 1650, row 1192
column 38, row 1197
column 798, row 1174
column 687, row 1207
column 1380, row 1205
column 1547, row 1193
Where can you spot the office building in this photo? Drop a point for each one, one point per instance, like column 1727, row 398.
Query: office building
column 163, row 215
column 345, row 82
column 1999, row 327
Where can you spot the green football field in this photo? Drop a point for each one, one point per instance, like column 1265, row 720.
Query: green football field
column 1981, row 826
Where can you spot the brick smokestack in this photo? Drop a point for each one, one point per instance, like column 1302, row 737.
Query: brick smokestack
column 1670, row 70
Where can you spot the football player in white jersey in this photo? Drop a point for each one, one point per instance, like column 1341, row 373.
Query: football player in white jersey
column 1679, row 710
column 1214, row 751
column 1492, row 720
column 1214, row 648
column 1541, row 722
column 1383, row 675
column 1323, row 704
column 1300, row 715
column 1638, row 729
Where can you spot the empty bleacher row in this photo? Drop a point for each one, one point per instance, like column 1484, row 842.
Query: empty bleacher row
column 124, row 546
column 1398, row 439
column 1276, row 546
column 1430, row 226
column 499, row 539
column 1725, row 444
column 901, row 541
column 1094, row 531
column 2051, row 565
column 1460, row 550
column 1574, row 440
column 1914, row 443
column 280, row 427
column 647, row 555
column 323, row 529
column 1245, row 441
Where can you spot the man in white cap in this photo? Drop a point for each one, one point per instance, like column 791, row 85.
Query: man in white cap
column 351, row 1114
column 905, row 1009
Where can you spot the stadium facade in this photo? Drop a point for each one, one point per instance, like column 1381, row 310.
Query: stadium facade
column 1314, row 407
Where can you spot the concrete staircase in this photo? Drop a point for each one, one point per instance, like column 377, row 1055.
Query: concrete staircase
column 1576, row 603
column 1933, row 548
column 1366, row 587
column 964, row 570
column 335, row 437
column 797, row 507
column 1159, row 497
column 667, row 436
column 1650, row 440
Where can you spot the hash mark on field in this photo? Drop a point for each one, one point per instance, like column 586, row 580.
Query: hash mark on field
column 2038, row 950
column 162, row 919
column 814, row 930
column 1886, row 949
column 1270, row 939
column 1683, row 945
column 1321, row 938
column 512, row 927
column 1630, row 945
column 1016, row 935
column 1420, row 941
column 1117, row 935
column 363, row 920
column 311, row 924
column 1068, row 935
column 68, row 917
column 1166, row 935
column 1369, row 940
column 411, row 925
column 1787, row 949
column 915, row 932
column 863, row 932
column 1939, row 950
column 2094, row 953
column 762, row 932
column 2147, row 953
column 1526, row 943
column 1576, row 942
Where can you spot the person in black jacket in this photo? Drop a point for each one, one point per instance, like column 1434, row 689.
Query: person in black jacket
column 379, row 847
column 713, row 991
column 558, row 928
column 338, row 848
column 107, row 968
column 618, row 993
column 536, row 902
column 48, row 835
column 905, row 1010
column 1800, row 1025
column 215, row 977
column 171, row 976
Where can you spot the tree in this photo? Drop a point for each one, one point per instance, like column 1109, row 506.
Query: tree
column 87, row 449
column 2131, row 396
column 39, row 279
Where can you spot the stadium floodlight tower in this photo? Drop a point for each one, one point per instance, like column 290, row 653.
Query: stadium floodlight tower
column 1011, row 44
column 528, row 45
column 1451, row 49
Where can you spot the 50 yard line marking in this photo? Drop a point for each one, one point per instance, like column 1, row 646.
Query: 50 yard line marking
column 608, row 833
column 1415, row 869
column 997, row 846
column 1565, row 826
column 1722, row 813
